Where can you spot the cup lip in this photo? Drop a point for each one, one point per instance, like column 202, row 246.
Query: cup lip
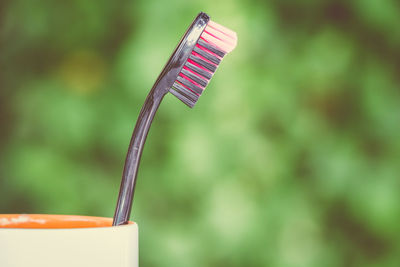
column 56, row 222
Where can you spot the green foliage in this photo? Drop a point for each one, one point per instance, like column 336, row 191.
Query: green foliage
column 291, row 157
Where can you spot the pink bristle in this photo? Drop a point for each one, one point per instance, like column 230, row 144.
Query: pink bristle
column 220, row 36
column 203, row 58
column 197, row 65
column 198, row 75
column 208, row 51
column 190, row 80
column 215, row 42
column 187, row 88
column 222, row 29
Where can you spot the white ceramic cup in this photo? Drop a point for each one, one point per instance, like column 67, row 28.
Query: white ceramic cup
column 65, row 240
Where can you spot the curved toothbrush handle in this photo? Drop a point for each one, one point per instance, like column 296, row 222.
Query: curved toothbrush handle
column 125, row 197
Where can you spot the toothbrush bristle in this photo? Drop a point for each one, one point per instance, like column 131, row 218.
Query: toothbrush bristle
column 214, row 43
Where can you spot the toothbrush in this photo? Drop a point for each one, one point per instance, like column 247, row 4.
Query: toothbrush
column 186, row 74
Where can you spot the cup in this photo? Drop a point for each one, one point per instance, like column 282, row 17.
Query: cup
column 66, row 240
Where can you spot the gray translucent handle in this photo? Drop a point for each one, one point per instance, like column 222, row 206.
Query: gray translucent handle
column 127, row 189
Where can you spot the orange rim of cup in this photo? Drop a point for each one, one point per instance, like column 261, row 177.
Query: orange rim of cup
column 47, row 221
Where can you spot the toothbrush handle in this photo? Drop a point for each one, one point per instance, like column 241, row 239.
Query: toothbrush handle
column 125, row 197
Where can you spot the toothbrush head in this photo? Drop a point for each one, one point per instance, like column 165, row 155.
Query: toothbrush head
column 197, row 57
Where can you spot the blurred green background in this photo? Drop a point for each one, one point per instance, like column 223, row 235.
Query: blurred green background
column 290, row 158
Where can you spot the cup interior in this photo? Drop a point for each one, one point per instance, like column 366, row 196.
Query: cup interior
column 47, row 221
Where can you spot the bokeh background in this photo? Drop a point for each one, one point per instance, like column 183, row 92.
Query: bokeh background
column 290, row 158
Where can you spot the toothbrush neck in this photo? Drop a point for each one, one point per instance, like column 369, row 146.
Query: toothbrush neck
column 124, row 204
